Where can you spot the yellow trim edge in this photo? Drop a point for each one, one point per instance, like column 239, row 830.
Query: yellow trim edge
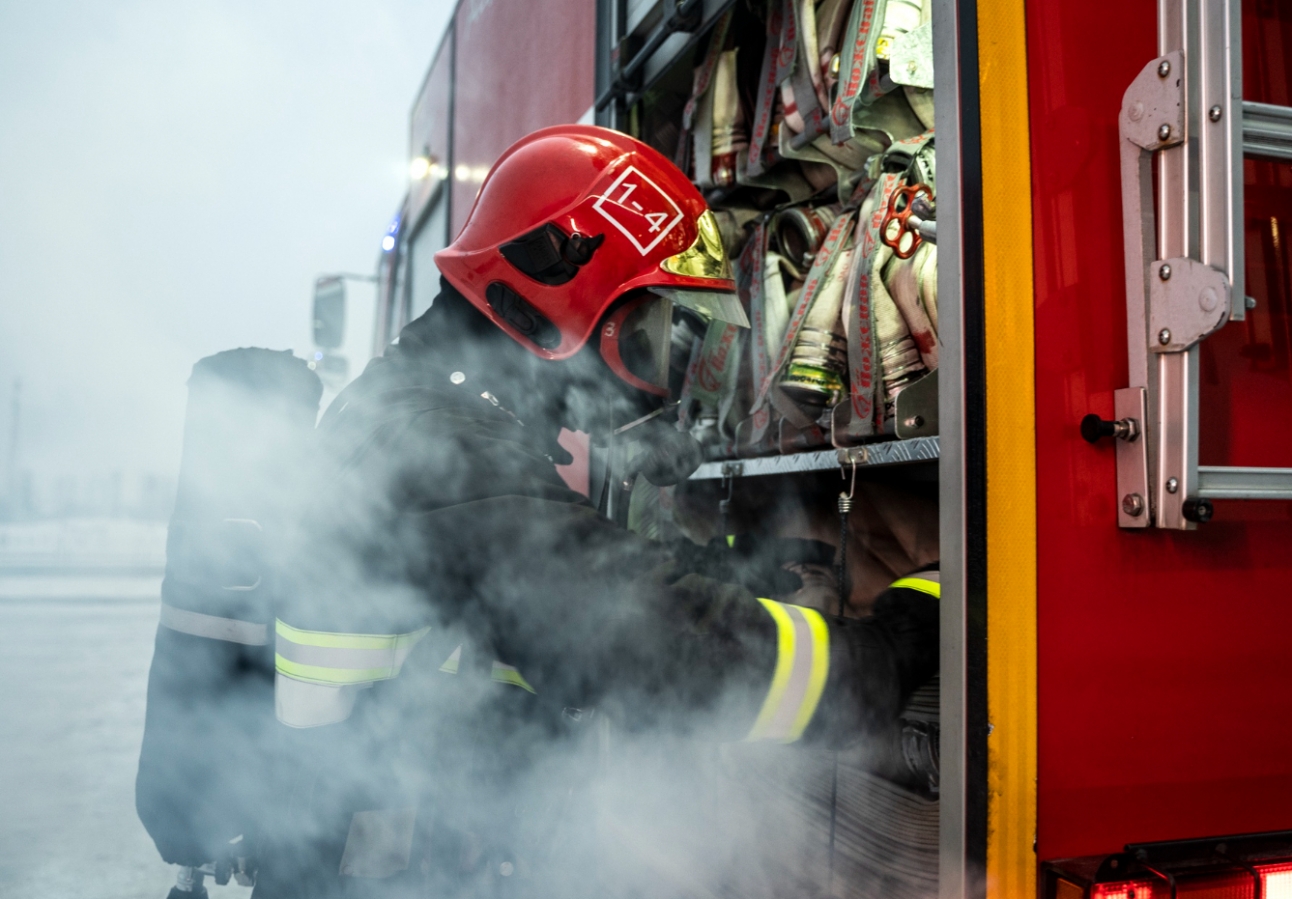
column 1009, row 339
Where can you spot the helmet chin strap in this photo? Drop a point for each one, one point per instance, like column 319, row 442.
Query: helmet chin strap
column 624, row 429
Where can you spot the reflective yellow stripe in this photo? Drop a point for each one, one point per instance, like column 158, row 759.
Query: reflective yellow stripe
column 500, row 673
column 347, row 641
column 325, row 657
column 802, row 666
column 507, row 674
column 318, row 674
column 933, row 588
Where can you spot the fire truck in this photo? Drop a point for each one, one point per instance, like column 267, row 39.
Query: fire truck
column 1019, row 288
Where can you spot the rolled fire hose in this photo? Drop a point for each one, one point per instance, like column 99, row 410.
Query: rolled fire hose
column 926, row 277
column 903, row 286
column 776, row 304
column 815, row 376
column 899, row 358
column 728, row 121
column 798, row 232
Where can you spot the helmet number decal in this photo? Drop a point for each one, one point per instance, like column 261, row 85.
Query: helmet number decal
column 641, row 211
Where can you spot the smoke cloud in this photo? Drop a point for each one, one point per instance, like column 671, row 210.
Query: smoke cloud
column 173, row 178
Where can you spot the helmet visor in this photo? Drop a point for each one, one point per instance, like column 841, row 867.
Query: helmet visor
column 636, row 341
column 712, row 305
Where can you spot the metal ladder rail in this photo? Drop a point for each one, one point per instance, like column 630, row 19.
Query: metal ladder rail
column 1184, row 265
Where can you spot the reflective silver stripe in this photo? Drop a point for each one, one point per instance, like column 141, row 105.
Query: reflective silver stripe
column 796, row 688
column 231, row 630
column 329, row 657
column 802, row 665
column 301, row 704
column 451, row 664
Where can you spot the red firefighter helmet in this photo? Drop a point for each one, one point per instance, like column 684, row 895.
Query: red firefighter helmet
column 574, row 217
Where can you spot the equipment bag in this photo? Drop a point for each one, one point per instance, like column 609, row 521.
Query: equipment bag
column 203, row 766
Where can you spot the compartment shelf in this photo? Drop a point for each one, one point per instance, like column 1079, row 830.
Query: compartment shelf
column 888, row 452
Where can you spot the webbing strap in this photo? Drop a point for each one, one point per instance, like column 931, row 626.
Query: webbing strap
column 684, row 398
column 802, row 665
column 776, row 63
column 924, row 582
column 717, row 38
column 703, row 77
column 716, row 367
column 805, row 81
column 857, row 62
column 324, row 657
column 859, row 317
column 230, row 630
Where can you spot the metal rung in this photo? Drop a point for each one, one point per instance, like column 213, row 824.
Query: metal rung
column 888, row 452
column 1222, row 482
column 1267, row 130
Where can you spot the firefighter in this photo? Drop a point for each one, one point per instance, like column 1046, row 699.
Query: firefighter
column 449, row 597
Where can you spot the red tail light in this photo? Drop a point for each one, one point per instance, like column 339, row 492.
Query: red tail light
column 1255, row 866
column 1276, row 881
column 1126, row 889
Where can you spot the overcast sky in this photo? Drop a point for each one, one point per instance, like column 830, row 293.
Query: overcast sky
column 173, row 176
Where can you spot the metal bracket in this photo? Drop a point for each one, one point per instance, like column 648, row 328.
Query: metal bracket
column 1134, row 508
column 733, row 470
column 1152, row 115
column 1187, row 301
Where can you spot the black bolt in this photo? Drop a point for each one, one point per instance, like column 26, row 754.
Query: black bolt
column 1093, row 427
column 1197, row 510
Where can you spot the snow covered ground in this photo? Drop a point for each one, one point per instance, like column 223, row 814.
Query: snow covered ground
column 74, row 653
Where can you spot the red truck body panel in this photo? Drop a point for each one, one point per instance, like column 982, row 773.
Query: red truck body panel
column 1164, row 678
column 521, row 66
column 429, row 128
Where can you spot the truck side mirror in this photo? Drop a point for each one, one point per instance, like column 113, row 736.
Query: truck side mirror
column 329, row 312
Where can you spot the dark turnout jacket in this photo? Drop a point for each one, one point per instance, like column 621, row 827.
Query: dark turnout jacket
column 450, row 604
